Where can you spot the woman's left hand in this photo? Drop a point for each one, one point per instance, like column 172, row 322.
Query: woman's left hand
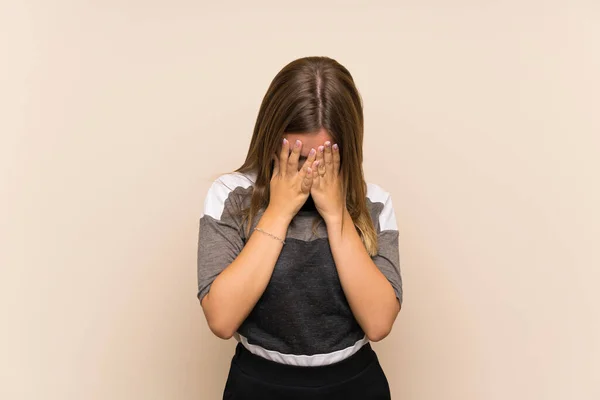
column 326, row 189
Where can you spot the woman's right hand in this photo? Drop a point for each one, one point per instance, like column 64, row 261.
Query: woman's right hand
column 289, row 186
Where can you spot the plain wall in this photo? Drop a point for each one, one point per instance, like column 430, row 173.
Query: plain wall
column 481, row 120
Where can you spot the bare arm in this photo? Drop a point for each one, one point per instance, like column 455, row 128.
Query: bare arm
column 235, row 291
column 369, row 293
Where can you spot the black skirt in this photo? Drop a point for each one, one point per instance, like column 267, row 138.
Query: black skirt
column 357, row 377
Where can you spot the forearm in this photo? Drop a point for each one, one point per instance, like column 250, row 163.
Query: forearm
column 238, row 287
column 370, row 295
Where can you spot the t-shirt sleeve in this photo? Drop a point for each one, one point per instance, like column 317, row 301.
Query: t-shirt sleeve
column 387, row 258
column 219, row 239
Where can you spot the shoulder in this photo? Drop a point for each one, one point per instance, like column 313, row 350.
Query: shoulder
column 224, row 189
column 377, row 194
column 379, row 201
column 234, row 180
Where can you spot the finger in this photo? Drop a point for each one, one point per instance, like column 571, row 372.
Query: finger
column 283, row 156
column 307, row 181
column 321, row 164
column 336, row 158
column 328, row 158
column 292, row 165
column 316, row 178
column 307, row 164
column 312, row 154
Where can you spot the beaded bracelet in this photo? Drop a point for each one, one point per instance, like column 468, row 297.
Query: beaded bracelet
column 270, row 234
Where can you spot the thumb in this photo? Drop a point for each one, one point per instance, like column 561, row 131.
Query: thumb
column 307, row 181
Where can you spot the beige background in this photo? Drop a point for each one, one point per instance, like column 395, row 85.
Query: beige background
column 481, row 120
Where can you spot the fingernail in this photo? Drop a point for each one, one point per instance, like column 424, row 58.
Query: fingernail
column 298, row 143
column 308, row 171
column 312, row 152
column 284, row 141
column 316, row 164
column 335, row 146
column 321, row 149
column 327, row 144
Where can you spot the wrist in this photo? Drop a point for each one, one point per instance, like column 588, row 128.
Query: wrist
column 274, row 223
column 333, row 221
column 276, row 217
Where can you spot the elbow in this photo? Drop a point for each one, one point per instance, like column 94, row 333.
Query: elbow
column 378, row 333
column 220, row 327
column 221, row 331
column 379, row 329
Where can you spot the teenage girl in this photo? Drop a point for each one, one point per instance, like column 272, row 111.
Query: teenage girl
column 298, row 256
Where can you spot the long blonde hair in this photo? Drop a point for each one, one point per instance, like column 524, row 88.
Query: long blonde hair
column 308, row 94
